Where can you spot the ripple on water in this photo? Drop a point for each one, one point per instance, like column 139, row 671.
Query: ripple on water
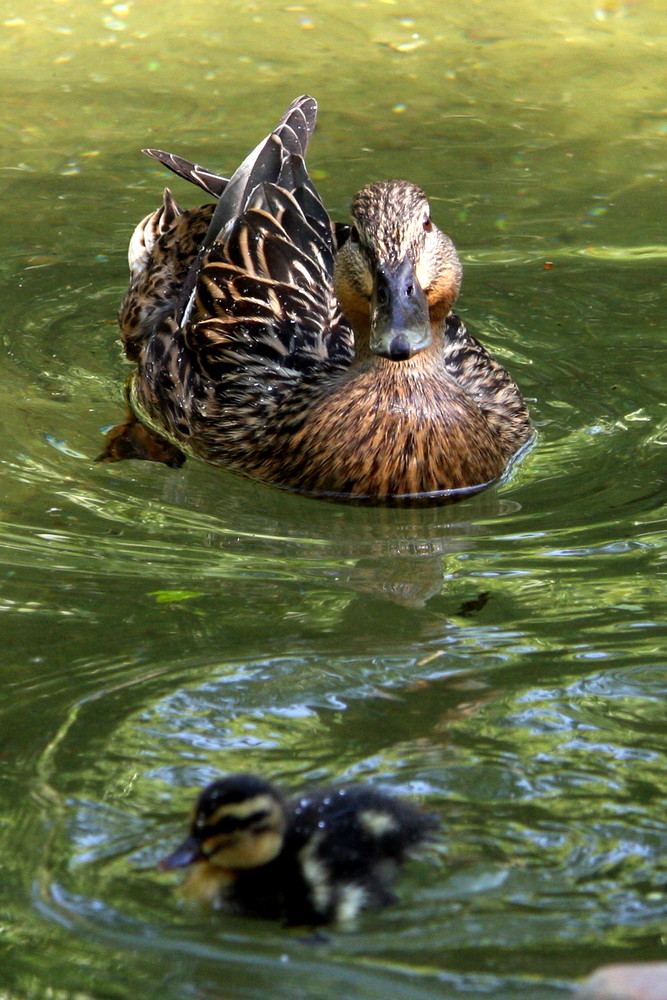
column 508, row 766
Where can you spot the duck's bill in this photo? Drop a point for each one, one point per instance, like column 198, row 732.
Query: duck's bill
column 400, row 325
column 186, row 854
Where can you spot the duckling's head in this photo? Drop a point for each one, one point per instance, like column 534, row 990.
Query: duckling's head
column 238, row 823
column 397, row 275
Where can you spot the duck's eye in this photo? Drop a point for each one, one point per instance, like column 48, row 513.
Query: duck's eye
column 427, row 224
column 354, row 234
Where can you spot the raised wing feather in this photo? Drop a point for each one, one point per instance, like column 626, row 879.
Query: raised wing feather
column 264, row 164
column 267, row 163
column 260, row 294
column 149, row 230
column 265, row 297
column 207, row 180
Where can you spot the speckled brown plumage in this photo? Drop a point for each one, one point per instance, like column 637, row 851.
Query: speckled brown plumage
column 317, row 358
column 161, row 253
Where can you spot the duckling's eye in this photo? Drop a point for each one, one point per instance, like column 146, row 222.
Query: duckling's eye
column 354, row 234
column 427, row 224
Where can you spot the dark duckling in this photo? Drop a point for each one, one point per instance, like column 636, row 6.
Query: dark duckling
column 316, row 357
column 319, row 858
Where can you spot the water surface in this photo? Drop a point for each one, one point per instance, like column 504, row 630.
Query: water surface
column 503, row 659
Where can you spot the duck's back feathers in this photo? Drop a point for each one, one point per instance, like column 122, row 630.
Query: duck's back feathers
column 269, row 162
column 253, row 293
column 357, row 825
column 256, row 300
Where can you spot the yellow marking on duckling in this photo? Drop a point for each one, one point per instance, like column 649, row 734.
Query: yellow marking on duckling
column 352, row 899
column 377, row 823
column 316, row 874
column 206, row 883
column 247, row 846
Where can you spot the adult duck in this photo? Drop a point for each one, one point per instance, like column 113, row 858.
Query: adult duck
column 320, row 358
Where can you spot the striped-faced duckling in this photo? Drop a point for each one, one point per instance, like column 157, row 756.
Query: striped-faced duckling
column 318, row 357
column 319, row 858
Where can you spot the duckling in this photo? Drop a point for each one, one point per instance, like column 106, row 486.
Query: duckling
column 319, row 358
column 319, row 858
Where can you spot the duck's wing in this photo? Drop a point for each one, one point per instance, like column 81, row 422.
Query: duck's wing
column 489, row 384
column 265, row 163
column 207, row 180
column 263, row 297
column 290, row 136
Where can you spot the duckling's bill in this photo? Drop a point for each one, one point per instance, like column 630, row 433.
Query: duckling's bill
column 400, row 323
column 186, row 854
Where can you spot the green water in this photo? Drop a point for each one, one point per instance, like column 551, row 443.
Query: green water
column 502, row 659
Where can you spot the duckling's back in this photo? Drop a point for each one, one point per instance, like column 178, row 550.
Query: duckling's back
column 347, row 845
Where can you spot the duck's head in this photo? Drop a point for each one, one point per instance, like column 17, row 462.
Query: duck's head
column 238, row 823
column 397, row 275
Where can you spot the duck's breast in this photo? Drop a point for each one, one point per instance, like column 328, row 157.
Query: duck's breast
column 374, row 435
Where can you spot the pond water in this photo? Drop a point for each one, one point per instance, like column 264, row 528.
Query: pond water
column 502, row 659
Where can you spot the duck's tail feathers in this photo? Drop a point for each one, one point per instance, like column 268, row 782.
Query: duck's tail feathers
column 205, row 179
column 149, row 230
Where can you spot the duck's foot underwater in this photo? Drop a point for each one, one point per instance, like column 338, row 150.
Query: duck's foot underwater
column 132, row 439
